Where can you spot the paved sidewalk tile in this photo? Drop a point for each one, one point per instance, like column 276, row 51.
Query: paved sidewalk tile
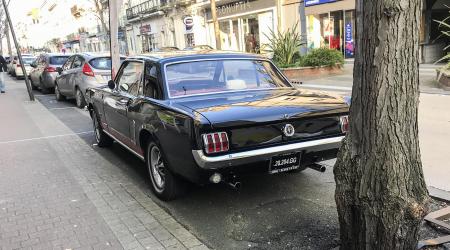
column 57, row 192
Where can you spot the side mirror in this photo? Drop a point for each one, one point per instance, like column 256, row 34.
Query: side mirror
column 111, row 84
column 59, row 70
column 33, row 65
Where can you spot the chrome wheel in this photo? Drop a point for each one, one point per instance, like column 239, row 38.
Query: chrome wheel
column 157, row 169
column 57, row 93
column 96, row 129
column 78, row 97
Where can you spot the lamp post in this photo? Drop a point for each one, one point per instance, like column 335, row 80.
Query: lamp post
column 19, row 54
column 303, row 34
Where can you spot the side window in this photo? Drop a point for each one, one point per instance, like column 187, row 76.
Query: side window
column 151, row 87
column 68, row 64
column 77, row 62
column 130, row 77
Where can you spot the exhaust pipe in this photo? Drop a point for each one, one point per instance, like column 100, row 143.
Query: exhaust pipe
column 318, row 167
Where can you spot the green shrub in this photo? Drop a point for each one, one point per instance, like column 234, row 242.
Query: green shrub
column 321, row 57
column 444, row 26
column 285, row 46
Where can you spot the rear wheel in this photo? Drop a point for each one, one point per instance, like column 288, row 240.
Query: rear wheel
column 59, row 96
column 44, row 90
column 79, row 99
column 102, row 139
column 165, row 184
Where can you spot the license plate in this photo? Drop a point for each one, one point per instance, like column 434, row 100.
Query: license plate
column 285, row 162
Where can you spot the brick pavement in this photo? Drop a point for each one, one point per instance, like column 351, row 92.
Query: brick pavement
column 58, row 192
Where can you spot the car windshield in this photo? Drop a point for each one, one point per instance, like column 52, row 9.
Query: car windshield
column 201, row 77
column 28, row 60
column 58, row 60
column 103, row 63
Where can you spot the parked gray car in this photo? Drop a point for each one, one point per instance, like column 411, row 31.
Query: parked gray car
column 44, row 72
column 82, row 71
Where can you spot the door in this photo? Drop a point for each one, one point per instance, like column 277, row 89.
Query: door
column 35, row 71
column 74, row 75
column 128, row 84
column 63, row 77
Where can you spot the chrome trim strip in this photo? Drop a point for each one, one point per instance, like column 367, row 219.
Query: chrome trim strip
column 215, row 162
column 124, row 145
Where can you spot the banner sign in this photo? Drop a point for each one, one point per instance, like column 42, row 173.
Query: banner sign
column 316, row 2
column 349, row 43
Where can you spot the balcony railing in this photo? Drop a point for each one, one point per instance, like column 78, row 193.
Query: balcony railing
column 145, row 8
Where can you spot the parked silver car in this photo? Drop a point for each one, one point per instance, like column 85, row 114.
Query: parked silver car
column 43, row 74
column 82, row 71
column 13, row 64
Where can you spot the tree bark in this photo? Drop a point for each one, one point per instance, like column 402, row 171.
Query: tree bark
column 381, row 194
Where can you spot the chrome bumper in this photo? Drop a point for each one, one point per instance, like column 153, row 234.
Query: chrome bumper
column 234, row 159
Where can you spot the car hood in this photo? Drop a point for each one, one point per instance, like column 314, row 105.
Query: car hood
column 240, row 108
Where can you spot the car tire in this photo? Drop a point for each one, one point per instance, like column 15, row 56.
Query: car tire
column 59, row 96
column 103, row 140
column 79, row 99
column 165, row 185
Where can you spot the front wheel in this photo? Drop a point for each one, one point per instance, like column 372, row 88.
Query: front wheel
column 102, row 139
column 165, row 184
column 59, row 96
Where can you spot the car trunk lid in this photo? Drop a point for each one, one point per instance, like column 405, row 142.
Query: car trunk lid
column 257, row 118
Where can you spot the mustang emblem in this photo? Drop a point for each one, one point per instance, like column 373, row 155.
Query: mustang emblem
column 288, row 130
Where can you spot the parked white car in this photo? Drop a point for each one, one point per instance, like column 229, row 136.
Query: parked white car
column 18, row 69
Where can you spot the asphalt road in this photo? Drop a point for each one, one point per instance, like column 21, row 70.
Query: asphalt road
column 281, row 211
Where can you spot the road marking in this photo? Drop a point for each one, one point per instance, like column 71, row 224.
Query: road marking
column 46, row 137
column 63, row 108
column 49, row 95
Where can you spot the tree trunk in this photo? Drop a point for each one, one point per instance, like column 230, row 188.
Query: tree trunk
column 381, row 194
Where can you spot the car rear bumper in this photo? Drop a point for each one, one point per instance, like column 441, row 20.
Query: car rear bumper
column 265, row 154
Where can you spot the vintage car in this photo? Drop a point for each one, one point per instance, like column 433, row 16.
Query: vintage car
column 211, row 116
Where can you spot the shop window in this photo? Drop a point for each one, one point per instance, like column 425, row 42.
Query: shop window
column 189, row 38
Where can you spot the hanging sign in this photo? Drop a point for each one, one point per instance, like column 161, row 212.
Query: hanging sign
column 349, row 43
column 188, row 23
column 316, row 2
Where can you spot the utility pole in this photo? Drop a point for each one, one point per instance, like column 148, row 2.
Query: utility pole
column 19, row 54
column 303, row 34
column 8, row 40
column 216, row 24
column 113, row 35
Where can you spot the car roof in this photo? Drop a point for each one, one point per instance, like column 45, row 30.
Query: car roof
column 91, row 55
column 174, row 56
column 57, row 54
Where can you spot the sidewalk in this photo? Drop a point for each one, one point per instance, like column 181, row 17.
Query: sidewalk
column 57, row 192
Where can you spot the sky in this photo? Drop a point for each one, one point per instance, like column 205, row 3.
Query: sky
column 57, row 23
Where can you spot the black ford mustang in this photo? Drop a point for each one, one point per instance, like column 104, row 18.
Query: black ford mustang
column 213, row 116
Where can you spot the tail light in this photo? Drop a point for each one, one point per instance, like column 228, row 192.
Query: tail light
column 17, row 65
column 50, row 69
column 216, row 142
column 345, row 125
column 87, row 70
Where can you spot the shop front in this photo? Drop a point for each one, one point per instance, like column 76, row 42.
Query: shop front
column 332, row 25
column 244, row 25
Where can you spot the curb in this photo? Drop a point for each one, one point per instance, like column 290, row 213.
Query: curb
column 439, row 194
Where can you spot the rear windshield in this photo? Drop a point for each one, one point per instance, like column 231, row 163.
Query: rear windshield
column 200, row 77
column 102, row 62
column 58, row 60
column 28, row 60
